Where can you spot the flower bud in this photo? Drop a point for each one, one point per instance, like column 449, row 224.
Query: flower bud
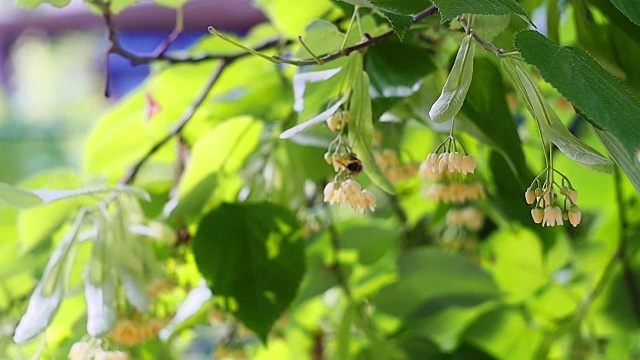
column 575, row 215
column 328, row 157
column 334, row 122
column 529, row 196
column 537, row 214
column 455, row 159
column 443, row 161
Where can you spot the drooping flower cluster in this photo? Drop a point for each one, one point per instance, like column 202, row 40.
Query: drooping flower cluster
column 469, row 217
column 545, row 211
column 338, row 120
column 456, row 192
column 344, row 189
column 349, row 192
column 447, row 162
column 392, row 168
column 130, row 333
column 461, row 227
column 451, row 170
column 92, row 350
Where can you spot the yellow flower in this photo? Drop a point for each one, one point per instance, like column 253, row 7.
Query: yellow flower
column 126, row 332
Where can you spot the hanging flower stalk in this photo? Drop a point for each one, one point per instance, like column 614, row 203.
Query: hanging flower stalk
column 544, row 195
column 344, row 189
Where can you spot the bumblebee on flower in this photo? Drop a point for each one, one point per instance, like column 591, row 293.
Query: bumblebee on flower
column 344, row 189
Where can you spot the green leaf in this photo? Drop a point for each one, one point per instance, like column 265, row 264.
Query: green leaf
column 457, row 85
column 613, row 311
column 612, row 41
column 505, row 333
column 396, row 69
column 280, row 14
column 405, row 7
column 322, row 37
column 431, row 280
column 371, row 241
column 627, row 162
column 510, row 190
column 396, row 12
column 629, row 8
column 399, row 23
column 446, row 327
column 550, row 124
column 601, row 98
column 449, row 9
column 361, row 126
column 318, row 279
column 35, row 3
column 517, row 262
column 222, row 150
column 252, row 255
column 489, row 26
column 16, row 197
column 123, row 136
column 486, row 108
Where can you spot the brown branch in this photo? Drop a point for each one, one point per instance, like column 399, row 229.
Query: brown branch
column 359, row 46
column 160, row 54
column 135, row 59
column 173, row 36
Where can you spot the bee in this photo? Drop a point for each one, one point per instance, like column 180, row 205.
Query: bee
column 352, row 164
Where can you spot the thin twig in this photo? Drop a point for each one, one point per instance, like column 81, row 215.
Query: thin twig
column 160, row 54
column 487, row 45
column 359, row 46
column 173, row 36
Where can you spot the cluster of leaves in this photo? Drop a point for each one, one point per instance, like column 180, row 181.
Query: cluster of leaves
column 231, row 165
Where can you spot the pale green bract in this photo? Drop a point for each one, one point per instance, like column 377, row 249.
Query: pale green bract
column 550, row 124
column 457, row 85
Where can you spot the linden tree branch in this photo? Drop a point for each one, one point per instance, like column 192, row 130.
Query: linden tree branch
column 369, row 41
column 161, row 53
